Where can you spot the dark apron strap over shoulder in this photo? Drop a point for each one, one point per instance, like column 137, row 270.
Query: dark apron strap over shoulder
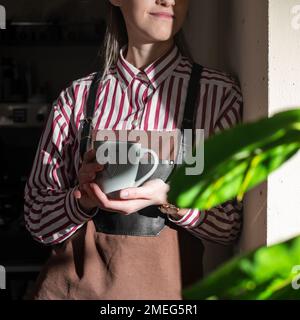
column 190, row 109
column 148, row 221
column 86, row 134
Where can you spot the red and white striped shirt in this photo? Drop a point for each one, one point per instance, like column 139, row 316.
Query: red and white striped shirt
column 127, row 98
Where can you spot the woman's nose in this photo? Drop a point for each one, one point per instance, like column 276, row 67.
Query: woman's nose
column 166, row 2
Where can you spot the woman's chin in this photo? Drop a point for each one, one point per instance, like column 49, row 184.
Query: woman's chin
column 161, row 37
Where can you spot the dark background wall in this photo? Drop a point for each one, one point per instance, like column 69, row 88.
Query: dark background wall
column 57, row 53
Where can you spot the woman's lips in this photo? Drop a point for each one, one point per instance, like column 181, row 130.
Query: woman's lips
column 162, row 15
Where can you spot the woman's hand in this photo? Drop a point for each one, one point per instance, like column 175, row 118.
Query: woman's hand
column 90, row 195
column 156, row 191
column 87, row 174
column 153, row 192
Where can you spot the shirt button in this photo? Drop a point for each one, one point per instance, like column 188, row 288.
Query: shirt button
column 142, row 76
column 135, row 123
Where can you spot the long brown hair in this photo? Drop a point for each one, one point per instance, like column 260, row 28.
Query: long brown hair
column 116, row 37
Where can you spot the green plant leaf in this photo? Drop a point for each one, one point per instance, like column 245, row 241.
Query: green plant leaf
column 236, row 160
column 265, row 273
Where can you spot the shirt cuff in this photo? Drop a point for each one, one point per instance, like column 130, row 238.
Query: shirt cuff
column 190, row 220
column 75, row 213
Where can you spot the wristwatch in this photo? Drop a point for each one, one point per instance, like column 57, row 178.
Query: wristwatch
column 168, row 208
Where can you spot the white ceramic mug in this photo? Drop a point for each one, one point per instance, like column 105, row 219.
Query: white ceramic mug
column 117, row 174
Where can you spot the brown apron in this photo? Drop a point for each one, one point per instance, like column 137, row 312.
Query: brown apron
column 94, row 265
column 104, row 266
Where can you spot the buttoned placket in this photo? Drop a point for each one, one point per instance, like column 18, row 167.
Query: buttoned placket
column 136, row 123
column 151, row 76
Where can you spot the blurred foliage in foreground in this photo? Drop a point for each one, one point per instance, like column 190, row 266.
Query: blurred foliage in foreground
column 266, row 273
column 236, row 160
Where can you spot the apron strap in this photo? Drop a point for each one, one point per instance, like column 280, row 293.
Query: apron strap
column 190, row 108
column 189, row 118
column 86, row 133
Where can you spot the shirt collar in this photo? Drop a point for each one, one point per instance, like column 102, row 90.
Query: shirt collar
column 155, row 73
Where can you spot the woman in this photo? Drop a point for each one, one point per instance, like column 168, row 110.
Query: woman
column 146, row 72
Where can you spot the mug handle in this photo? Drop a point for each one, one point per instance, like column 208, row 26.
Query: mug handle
column 155, row 165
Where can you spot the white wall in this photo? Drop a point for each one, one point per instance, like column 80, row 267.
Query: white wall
column 255, row 41
column 232, row 35
column 245, row 42
column 202, row 31
column 284, row 92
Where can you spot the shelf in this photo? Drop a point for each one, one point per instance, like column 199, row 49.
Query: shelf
column 53, row 34
column 51, row 43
